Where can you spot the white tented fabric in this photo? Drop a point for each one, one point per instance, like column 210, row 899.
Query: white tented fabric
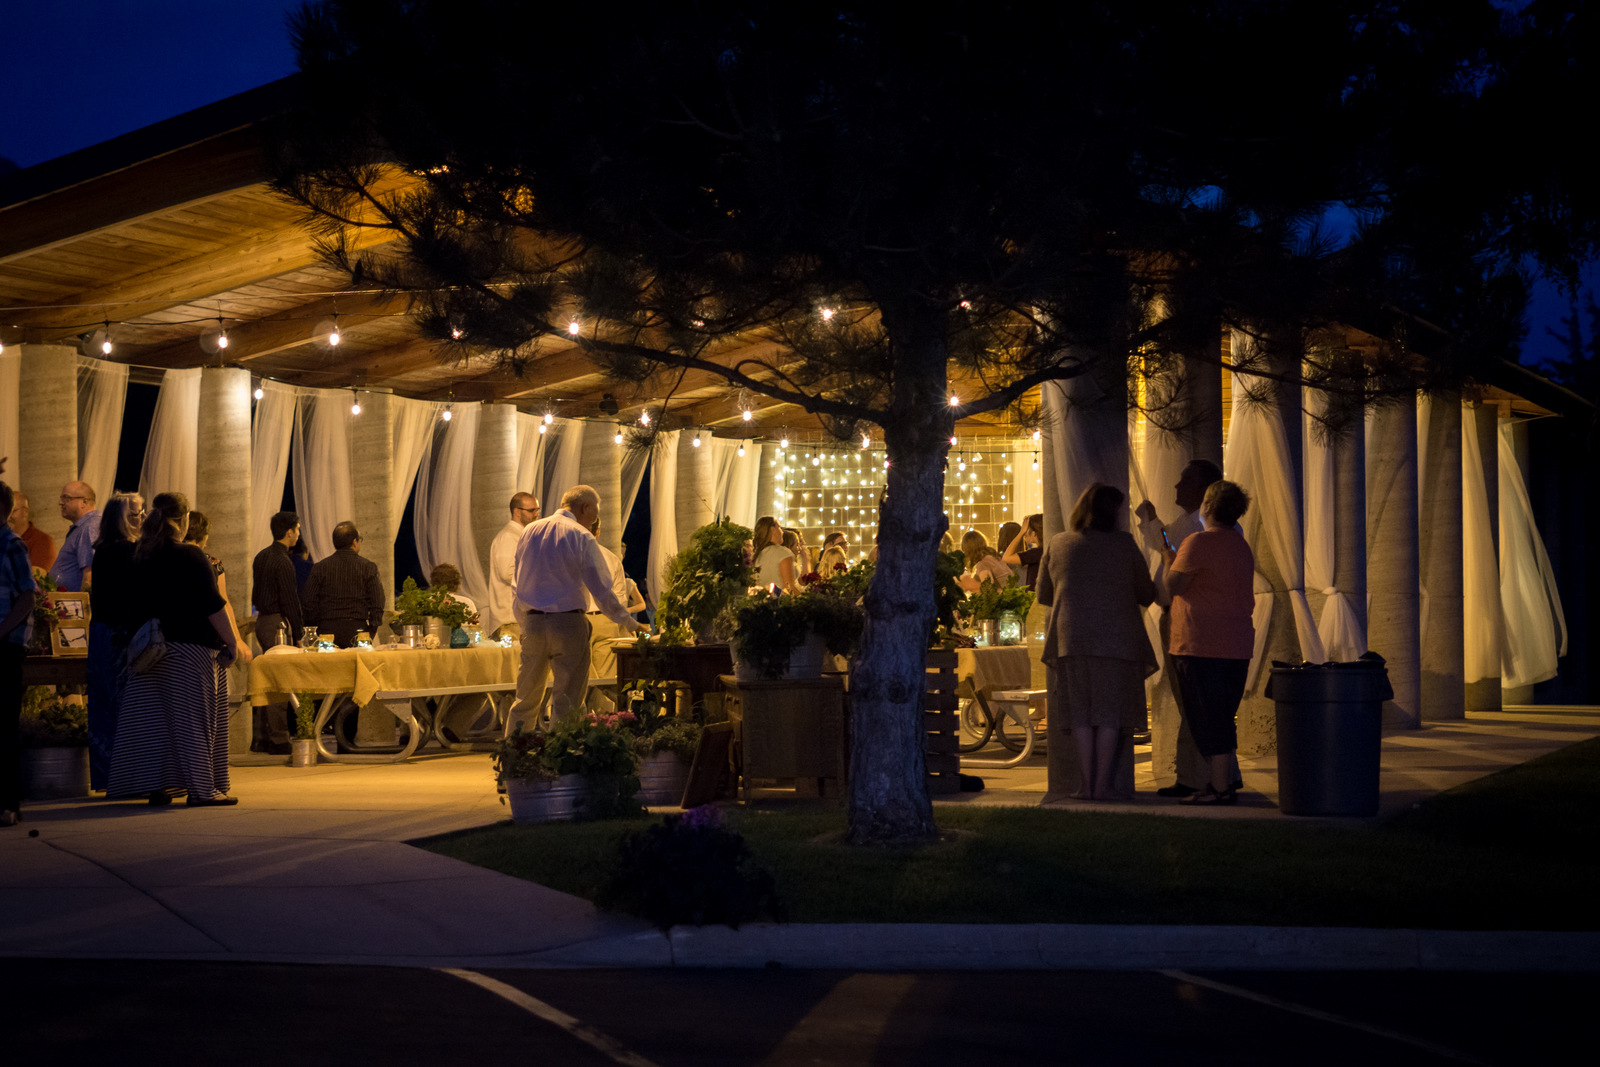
column 1343, row 638
column 530, row 456
column 102, row 395
column 10, row 410
column 1088, row 443
column 1027, row 491
column 735, row 480
column 1155, row 460
column 413, row 428
column 171, row 457
column 563, row 453
column 663, row 510
column 1258, row 459
column 1482, row 621
column 323, row 493
column 270, row 433
column 1536, row 627
column 442, row 518
column 634, row 462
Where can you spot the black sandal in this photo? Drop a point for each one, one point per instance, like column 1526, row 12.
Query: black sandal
column 1209, row 795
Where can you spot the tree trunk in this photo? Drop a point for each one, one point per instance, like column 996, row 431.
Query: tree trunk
column 888, row 783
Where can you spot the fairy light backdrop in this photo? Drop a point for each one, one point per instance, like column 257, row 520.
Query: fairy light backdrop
column 989, row 481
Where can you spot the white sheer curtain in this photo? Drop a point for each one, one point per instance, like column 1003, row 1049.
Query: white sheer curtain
column 663, row 510
column 102, row 394
column 634, row 462
column 10, row 411
column 1027, row 494
column 443, row 515
column 269, row 459
column 530, row 456
column 1343, row 638
column 171, row 456
column 735, row 480
column 1258, row 459
column 323, row 493
column 1536, row 627
column 1087, row 439
column 1482, row 619
column 413, row 427
column 562, row 456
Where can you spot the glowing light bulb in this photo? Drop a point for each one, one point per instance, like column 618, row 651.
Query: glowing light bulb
column 816, row 461
column 644, row 418
column 105, row 346
column 1035, row 462
column 955, row 401
column 222, row 339
column 355, row 408
column 1036, row 435
column 747, row 414
column 961, row 466
column 865, row 441
column 617, row 439
column 827, row 314
column 455, row 333
column 548, row 418
column 574, row 327
column 741, row 448
column 542, row 427
column 260, row 392
column 696, row 441
column 445, row 414
column 783, row 443
column 952, row 440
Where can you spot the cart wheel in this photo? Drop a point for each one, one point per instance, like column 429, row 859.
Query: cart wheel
column 976, row 727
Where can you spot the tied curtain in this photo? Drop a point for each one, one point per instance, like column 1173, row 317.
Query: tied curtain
column 102, row 395
column 663, row 510
column 562, row 454
column 171, row 455
column 1535, row 626
column 1343, row 638
column 1257, row 458
column 530, row 456
column 270, row 434
column 443, row 514
column 323, row 493
column 414, row 421
column 735, row 480
column 634, row 462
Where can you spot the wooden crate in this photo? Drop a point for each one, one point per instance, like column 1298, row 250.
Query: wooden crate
column 940, row 724
column 790, row 728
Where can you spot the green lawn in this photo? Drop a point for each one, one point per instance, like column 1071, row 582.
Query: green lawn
column 1515, row 850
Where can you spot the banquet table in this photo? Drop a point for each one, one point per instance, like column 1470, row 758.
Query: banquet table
column 982, row 672
column 392, row 677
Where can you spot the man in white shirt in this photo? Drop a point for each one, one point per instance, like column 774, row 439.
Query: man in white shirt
column 502, row 561
column 1171, row 742
column 558, row 566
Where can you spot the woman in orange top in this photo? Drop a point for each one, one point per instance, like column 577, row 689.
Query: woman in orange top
column 1211, row 580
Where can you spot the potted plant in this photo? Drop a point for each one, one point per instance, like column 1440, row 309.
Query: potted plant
column 431, row 611
column 785, row 635
column 710, row 573
column 993, row 600
column 303, row 746
column 665, row 755
column 584, row 769
column 55, row 747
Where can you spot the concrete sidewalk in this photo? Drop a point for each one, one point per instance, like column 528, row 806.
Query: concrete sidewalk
column 313, row 866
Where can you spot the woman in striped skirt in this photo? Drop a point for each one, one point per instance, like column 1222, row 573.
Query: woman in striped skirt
column 109, row 600
column 172, row 732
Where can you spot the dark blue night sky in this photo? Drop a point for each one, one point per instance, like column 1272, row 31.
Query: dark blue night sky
column 78, row 72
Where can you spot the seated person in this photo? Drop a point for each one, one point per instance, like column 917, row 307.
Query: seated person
column 449, row 576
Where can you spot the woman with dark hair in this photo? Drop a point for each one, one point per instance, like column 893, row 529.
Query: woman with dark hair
column 199, row 536
column 1096, row 582
column 110, row 610
column 1211, row 578
column 172, row 732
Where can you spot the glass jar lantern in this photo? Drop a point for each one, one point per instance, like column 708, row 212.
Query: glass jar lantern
column 1008, row 628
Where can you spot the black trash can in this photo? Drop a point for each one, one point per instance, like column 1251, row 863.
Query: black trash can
column 1330, row 719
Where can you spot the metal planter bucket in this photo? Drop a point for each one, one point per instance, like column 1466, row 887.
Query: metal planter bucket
column 53, row 773
column 553, row 801
column 411, row 636
column 302, row 753
column 662, row 778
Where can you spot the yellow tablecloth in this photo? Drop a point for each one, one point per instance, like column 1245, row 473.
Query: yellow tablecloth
column 984, row 670
column 361, row 673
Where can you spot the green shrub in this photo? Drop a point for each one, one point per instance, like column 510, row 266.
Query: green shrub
column 56, row 724
column 688, row 870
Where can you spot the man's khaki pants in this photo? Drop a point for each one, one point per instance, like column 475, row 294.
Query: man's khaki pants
column 558, row 646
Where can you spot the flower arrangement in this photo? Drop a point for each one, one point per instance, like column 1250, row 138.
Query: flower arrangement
column 46, row 613
column 601, row 750
column 769, row 627
column 679, row 736
column 414, row 606
column 992, row 598
column 707, row 575
column 689, row 869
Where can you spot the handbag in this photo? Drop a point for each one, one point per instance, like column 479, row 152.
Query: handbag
column 147, row 647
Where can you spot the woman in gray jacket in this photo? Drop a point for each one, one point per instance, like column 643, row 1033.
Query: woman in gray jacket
column 1096, row 583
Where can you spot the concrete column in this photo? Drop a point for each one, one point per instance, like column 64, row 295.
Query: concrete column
column 601, row 467
column 373, row 475
column 47, row 433
column 1202, row 386
column 1350, row 518
column 696, row 482
column 1393, row 624
column 222, row 475
column 1439, row 558
column 1483, row 420
column 769, row 498
column 494, row 474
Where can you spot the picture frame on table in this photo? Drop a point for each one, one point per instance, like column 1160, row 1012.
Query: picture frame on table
column 70, row 636
column 71, row 608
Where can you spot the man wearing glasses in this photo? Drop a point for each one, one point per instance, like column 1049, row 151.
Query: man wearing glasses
column 71, row 570
column 502, row 560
